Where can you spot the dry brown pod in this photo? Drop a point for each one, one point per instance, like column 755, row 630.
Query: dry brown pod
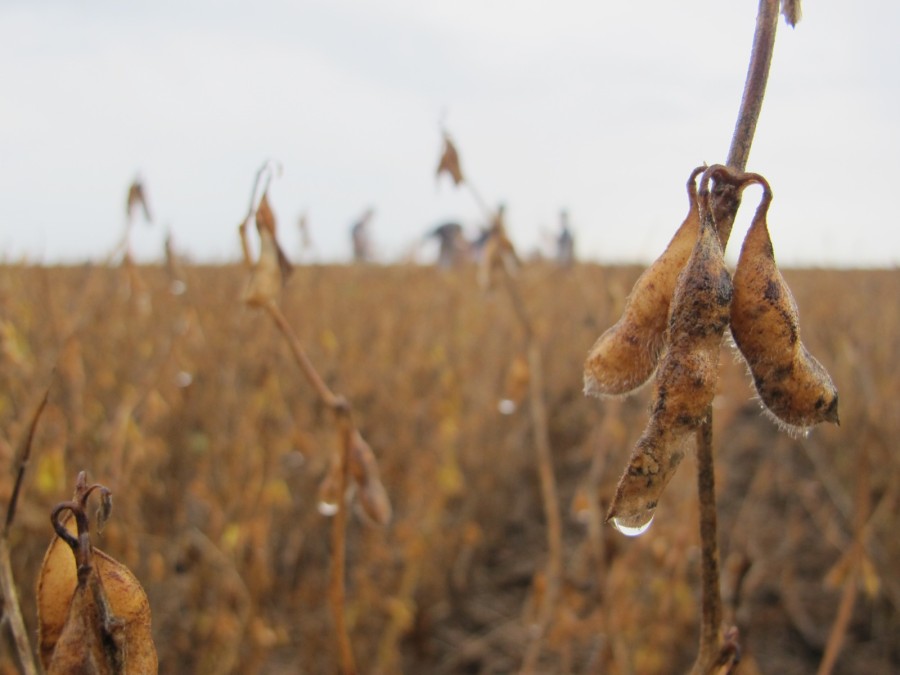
column 651, row 466
column 373, row 498
column 625, row 356
column 793, row 386
column 685, row 380
column 700, row 311
column 93, row 614
column 272, row 268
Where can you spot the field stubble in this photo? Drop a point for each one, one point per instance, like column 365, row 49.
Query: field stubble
column 190, row 408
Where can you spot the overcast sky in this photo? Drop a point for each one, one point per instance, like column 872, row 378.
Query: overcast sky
column 601, row 108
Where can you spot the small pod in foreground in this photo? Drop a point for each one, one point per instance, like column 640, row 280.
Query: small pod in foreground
column 624, row 357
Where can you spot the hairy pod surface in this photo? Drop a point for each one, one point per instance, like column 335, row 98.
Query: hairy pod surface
column 688, row 369
column 625, row 356
column 685, row 382
column 792, row 385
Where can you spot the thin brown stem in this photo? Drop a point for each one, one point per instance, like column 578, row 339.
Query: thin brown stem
column 711, row 599
column 336, row 588
column 549, row 494
column 328, row 397
column 13, row 613
column 727, row 201
column 346, row 432
column 550, row 500
column 728, row 197
column 838, row 633
column 10, row 596
column 479, row 200
column 755, row 85
column 24, row 455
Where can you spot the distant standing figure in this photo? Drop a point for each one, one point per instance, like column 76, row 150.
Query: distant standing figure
column 452, row 243
column 565, row 242
column 359, row 233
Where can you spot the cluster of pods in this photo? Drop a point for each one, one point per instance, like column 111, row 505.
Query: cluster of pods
column 673, row 324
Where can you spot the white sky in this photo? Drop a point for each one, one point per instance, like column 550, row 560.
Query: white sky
column 602, row 108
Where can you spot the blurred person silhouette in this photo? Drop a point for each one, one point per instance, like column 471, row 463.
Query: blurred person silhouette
column 453, row 247
column 565, row 241
column 359, row 234
column 307, row 247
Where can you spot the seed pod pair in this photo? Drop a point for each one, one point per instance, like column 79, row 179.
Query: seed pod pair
column 792, row 385
column 625, row 356
column 93, row 615
column 685, row 380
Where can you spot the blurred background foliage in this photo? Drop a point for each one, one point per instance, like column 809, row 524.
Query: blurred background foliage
column 188, row 405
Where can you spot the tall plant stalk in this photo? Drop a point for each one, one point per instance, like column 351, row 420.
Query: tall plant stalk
column 346, row 431
column 11, row 610
column 715, row 651
column 547, row 600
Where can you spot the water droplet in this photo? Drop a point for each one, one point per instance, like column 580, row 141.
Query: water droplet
column 184, row 379
column 328, row 508
column 506, row 406
column 632, row 526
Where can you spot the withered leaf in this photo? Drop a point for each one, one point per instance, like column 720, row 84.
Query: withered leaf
column 450, row 162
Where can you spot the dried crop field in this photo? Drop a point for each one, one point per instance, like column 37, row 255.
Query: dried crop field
column 191, row 409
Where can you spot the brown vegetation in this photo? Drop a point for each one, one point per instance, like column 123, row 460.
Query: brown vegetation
column 197, row 419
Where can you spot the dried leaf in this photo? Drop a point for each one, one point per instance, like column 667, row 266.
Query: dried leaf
column 137, row 200
column 450, row 162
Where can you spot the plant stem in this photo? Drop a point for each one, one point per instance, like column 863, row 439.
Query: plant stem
column 328, row 397
column 549, row 495
column 711, row 599
column 13, row 613
column 726, row 203
column 728, row 196
column 10, row 597
column 22, row 463
column 336, row 589
column 755, row 85
column 346, row 431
